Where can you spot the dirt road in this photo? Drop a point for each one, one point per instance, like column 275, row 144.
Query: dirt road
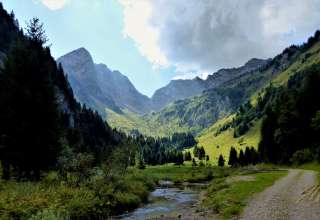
column 293, row 197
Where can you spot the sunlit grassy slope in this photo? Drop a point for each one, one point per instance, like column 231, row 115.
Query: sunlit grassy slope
column 220, row 144
column 303, row 61
column 128, row 121
column 306, row 59
column 170, row 119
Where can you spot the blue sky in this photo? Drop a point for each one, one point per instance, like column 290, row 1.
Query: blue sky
column 154, row 41
column 98, row 26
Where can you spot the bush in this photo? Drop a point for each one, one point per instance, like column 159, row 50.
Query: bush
column 82, row 205
column 302, row 156
column 49, row 214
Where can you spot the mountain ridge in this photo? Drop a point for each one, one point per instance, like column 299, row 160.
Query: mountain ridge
column 99, row 87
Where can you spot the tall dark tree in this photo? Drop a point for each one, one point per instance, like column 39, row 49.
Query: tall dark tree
column 242, row 159
column 287, row 127
column 221, row 161
column 36, row 32
column 179, row 158
column 248, row 156
column 29, row 112
column 187, row 156
column 233, row 157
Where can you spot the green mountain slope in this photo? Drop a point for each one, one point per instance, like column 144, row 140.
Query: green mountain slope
column 244, row 128
column 197, row 113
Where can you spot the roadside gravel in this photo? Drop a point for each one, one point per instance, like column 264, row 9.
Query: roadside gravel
column 293, row 197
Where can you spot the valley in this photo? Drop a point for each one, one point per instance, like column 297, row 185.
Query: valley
column 78, row 140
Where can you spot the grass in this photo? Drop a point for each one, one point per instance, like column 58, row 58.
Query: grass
column 312, row 166
column 95, row 197
column 216, row 145
column 129, row 121
column 60, row 199
column 147, row 125
column 184, row 173
column 300, row 64
column 229, row 198
column 221, row 144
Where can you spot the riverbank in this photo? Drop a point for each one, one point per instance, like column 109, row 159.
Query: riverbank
column 223, row 197
column 62, row 198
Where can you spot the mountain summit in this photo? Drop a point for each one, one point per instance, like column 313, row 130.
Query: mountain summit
column 181, row 89
column 99, row 87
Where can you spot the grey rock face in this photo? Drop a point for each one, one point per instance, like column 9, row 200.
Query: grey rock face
column 181, row 89
column 82, row 75
column 177, row 90
column 98, row 87
column 120, row 88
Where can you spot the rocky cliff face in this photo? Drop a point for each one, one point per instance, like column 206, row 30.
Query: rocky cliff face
column 82, row 75
column 98, row 87
column 181, row 89
column 177, row 90
column 122, row 91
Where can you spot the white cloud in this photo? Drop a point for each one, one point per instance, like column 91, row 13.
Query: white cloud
column 54, row 4
column 136, row 26
column 191, row 75
column 205, row 35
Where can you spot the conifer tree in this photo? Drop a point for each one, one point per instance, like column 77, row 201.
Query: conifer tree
column 221, row 161
column 233, row 157
column 242, row 159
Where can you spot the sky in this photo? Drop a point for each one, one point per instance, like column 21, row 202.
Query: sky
column 155, row 41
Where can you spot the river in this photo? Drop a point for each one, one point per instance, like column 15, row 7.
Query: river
column 167, row 200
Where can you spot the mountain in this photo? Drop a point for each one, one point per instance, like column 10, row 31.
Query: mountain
column 181, row 89
column 98, row 87
column 122, row 91
column 176, row 90
column 40, row 118
column 281, row 117
column 234, row 88
column 83, row 77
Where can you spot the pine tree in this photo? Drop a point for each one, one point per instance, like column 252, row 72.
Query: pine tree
column 29, row 112
column 187, row 156
column 179, row 158
column 194, row 163
column 201, row 153
column 242, row 160
column 221, row 161
column 248, row 156
column 233, row 158
column 36, row 32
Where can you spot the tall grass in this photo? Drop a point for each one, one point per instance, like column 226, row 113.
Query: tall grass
column 57, row 198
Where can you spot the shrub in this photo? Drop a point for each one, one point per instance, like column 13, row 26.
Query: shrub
column 302, row 156
column 49, row 214
column 52, row 178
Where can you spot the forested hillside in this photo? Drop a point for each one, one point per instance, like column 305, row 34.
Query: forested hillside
column 39, row 116
column 281, row 99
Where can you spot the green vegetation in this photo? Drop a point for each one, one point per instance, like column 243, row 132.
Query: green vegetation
column 228, row 196
column 56, row 197
column 315, row 166
column 290, row 128
column 185, row 173
column 243, row 128
column 61, row 160
column 216, row 144
column 130, row 122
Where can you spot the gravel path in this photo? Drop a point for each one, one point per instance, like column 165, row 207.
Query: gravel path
column 295, row 197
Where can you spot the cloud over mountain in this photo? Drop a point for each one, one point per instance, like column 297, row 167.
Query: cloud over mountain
column 53, row 4
column 205, row 35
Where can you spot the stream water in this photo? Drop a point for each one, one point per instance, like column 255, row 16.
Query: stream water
column 167, row 200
